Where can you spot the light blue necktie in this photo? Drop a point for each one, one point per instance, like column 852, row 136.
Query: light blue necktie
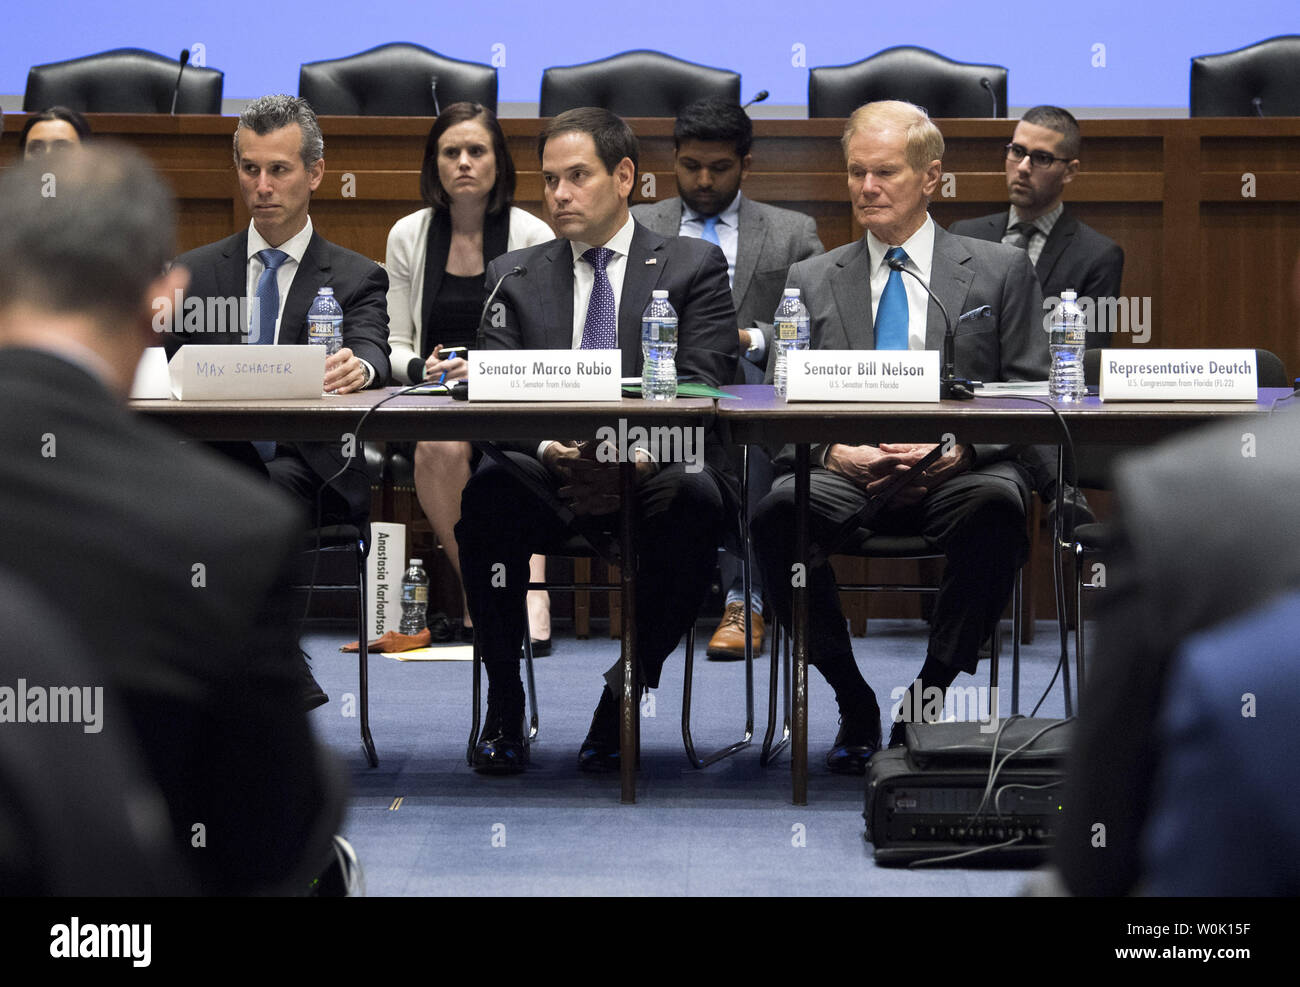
column 710, row 230
column 599, row 331
column 268, row 309
column 891, row 313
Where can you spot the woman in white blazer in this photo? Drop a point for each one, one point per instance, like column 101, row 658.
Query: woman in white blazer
column 436, row 259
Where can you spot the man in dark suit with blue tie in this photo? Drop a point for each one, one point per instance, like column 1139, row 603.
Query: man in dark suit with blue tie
column 281, row 261
column 970, row 504
column 587, row 290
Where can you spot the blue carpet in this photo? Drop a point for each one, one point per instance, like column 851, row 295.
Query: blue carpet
column 726, row 830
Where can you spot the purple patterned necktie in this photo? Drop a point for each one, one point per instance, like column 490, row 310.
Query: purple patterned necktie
column 600, row 330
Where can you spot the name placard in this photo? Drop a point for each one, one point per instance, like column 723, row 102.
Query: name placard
column 247, row 373
column 1178, row 375
column 862, row 375
column 545, row 375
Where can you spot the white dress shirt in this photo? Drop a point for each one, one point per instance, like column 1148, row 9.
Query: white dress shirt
column 920, row 258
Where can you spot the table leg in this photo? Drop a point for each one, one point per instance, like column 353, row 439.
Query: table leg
column 799, row 731
column 628, row 711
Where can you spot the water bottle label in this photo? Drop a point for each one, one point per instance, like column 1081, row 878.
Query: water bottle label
column 415, row 594
column 787, row 329
column 322, row 332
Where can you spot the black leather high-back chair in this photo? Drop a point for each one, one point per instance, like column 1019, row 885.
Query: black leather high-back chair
column 124, row 80
column 635, row 84
column 1262, row 79
column 944, row 88
column 397, row 80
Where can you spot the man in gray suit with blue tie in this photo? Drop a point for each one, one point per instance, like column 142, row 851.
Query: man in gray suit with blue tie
column 970, row 504
column 712, row 139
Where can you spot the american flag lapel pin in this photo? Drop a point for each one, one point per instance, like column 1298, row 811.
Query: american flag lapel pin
column 652, row 260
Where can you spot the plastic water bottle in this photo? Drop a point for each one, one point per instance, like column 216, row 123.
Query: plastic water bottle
column 415, row 598
column 325, row 322
column 659, row 349
column 791, row 330
column 1068, row 329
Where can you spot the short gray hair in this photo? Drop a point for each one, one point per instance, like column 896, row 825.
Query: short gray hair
column 269, row 113
column 85, row 231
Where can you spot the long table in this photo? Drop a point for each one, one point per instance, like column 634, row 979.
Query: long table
column 757, row 415
column 338, row 418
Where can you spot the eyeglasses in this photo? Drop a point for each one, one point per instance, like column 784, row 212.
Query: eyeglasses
column 1039, row 159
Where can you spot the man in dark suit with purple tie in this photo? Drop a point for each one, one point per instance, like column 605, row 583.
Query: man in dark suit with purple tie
column 587, row 290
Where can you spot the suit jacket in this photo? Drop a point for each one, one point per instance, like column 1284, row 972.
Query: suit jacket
column 771, row 239
column 1074, row 256
column 1007, row 344
column 1205, row 534
column 539, row 307
column 220, row 270
column 112, row 518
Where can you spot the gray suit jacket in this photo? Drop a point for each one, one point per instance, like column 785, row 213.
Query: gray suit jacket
column 1007, row 344
column 771, row 239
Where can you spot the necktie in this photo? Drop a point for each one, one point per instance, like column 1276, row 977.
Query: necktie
column 599, row 331
column 710, row 230
column 891, row 313
column 268, row 309
column 1022, row 233
column 268, row 295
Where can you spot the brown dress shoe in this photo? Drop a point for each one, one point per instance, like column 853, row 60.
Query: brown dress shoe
column 728, row 641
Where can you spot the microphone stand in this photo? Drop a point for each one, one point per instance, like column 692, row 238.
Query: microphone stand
column 950, row 385
column 459, row 391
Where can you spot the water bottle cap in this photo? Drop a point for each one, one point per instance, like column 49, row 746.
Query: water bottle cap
column 415, row 562
column 660, row 293
column 792, row 292
column 1069, row 295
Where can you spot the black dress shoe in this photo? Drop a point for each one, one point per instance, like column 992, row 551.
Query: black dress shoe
column 858, row 739
column 501, row 749
column 600, row 751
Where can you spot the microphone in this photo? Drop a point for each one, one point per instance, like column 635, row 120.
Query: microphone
column 460, row 390
column 761, row 95
column 984, row 83
column 950, row 385
column 176, row 92
column 433, row 88
column 1258, row 103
